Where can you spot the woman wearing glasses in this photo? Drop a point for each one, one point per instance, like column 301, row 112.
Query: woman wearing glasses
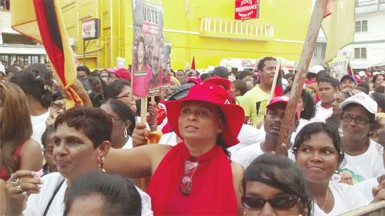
column 196, row 176
column 363, row 156
column 123, row 123
column 318, row 151
column 275, row 185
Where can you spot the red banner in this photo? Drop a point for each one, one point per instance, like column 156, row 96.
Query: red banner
column 246, row 9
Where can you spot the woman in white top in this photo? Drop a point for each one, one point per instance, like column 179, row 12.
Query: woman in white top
column 123, row 123
column 39, row 95
column 363, row 156
column 319, row 153
column 81, row 141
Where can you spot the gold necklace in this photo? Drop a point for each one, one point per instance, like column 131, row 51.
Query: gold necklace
column 326, row 199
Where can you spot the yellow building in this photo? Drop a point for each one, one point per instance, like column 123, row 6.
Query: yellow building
column 205, row 29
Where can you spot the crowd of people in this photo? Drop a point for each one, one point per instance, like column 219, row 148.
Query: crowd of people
column 216, row 154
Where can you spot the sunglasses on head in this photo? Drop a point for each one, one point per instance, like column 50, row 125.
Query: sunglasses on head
column 283, row 202
column 190, row 167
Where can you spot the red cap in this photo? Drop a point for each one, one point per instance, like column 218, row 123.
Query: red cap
column 284, row 99
column 123, row 74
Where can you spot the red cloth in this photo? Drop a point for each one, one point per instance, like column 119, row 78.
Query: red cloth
column 212, row 190
column 3, row 171
column 161, row 115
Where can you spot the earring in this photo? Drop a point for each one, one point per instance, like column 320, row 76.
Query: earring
column 125, row 133
column 101, row 163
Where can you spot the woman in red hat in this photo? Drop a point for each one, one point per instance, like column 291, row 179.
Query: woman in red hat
column 196, row 176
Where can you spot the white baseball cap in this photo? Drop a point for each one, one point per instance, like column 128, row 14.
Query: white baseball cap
column 316, row 68
column 361, row 99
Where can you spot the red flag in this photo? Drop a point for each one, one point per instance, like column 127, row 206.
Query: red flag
column 278, row 90
column 329, row 8
column 193, row 63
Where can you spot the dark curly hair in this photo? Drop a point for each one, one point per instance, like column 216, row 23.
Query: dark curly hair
column 317, row 127
column 309, row 104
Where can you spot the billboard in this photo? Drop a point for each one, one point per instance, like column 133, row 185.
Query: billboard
column 246, row 9
column 148, row 48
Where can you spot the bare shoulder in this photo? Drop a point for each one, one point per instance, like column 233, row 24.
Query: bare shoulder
column 157, row 152
column 31, row 157
column 30, row 146
column 237, row 169
column 139, row 162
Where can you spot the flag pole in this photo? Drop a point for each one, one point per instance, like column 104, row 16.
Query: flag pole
column 277, row 70
column 299, row 80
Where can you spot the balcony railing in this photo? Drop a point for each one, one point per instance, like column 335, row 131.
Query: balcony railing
column 369, row 6
column 233, row 29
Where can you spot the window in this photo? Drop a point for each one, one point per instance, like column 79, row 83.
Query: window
column 361, row 26
column 364, row 26
column 358, row 26
column 323, row 51
column 360, row 53
column 315, row 52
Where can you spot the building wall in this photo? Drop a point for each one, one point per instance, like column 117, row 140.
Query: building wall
column 373, row 40
column 182, row 23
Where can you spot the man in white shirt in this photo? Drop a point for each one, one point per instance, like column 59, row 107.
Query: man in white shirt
column 327, row 86
column 272, row 125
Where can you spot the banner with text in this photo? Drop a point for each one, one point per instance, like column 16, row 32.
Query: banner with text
column 148, row 48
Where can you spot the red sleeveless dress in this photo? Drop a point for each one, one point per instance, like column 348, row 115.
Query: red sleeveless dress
column 212, row 191
column 3, row 171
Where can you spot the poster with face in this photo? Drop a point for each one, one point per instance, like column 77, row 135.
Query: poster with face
column 148, row 48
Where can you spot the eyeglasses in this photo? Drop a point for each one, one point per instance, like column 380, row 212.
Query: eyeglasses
column 357, row 120
column 279, row 203
column 190, row 167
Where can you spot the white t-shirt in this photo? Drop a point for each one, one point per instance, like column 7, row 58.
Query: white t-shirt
column 37, row 203
column 128, row 144
column 367, row 165
column 248, row 135
column 39, row 126
column 168, row 138
column 346, row 198
column 246, row 155
column 366, row 187
column 303, row 123
column 321, row 114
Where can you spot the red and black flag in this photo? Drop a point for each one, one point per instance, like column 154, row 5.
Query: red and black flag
column 193, row 63
column 42, row 20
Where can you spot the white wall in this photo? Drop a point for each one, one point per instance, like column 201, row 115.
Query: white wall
column 373, row 41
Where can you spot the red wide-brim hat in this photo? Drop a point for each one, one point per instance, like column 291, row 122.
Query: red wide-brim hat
column 212, row 94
